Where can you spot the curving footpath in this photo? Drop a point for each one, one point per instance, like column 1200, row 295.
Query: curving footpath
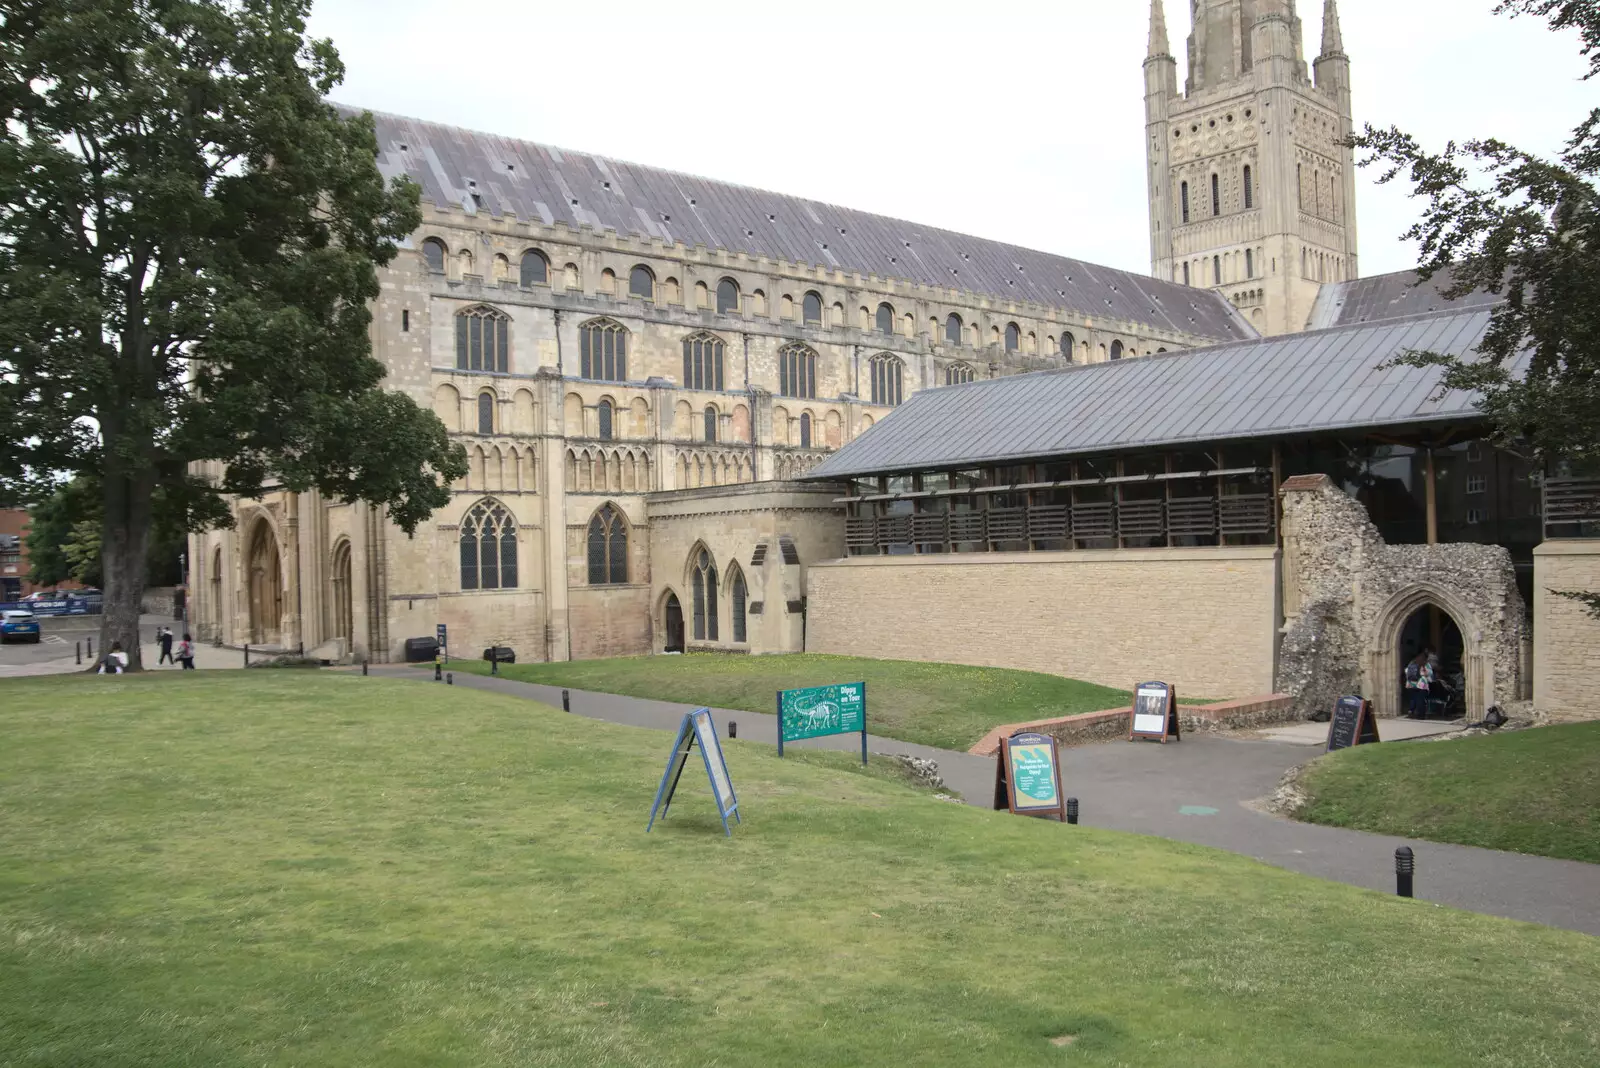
column 1197, row 790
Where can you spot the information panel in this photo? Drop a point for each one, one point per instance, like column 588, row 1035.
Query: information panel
column 1155, row 711
column 697, row 727
column 1352, row 724
column 1028, row 776
column 820, row 711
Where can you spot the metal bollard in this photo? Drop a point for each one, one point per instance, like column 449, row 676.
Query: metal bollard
column 450, row 679
column 1072, row 810
column 1405, row 866
column 77, row 650
column 363, row 667
column 246, row 654
column 733, row 729
column 90, row 643
column 438, row 671
column 566, row 701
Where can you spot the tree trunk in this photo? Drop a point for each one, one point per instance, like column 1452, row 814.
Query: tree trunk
column 123, row 547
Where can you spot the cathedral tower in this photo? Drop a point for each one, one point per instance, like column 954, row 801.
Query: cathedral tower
column 1250, row 193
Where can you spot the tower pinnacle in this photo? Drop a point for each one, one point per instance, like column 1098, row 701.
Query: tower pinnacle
column 1332, row 38
column 1158, row 30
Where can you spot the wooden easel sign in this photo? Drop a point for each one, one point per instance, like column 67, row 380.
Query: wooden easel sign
column 1155, row 712
column 1027, row 776
column 697, row 728
column 1352, row 724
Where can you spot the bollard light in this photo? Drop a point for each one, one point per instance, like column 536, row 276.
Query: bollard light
column 1405, row 866
column 246, row 654
column 450, row 679
column 90, row 643
column 1072, row 810
column 733, row 729
column 363, row 667
column 566, row 701
column 77, row 650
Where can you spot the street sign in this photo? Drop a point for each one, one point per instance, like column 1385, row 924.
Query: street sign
column 1028, row 776
column 697, row 728
column 820, row 711
column 442, row 636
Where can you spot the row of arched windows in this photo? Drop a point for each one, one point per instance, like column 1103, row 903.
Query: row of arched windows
column 703, row 593
column 1247, row 187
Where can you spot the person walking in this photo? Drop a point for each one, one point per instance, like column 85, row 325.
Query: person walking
column 1416, row 693
column 186, row 653
column 164, row 639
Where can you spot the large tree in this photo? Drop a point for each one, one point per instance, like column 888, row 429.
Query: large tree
column 189, row 237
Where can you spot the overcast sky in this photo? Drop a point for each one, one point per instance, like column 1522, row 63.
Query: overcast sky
column 1005, row 119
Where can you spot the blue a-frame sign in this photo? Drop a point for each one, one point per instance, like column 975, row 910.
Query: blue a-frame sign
column 697, row 727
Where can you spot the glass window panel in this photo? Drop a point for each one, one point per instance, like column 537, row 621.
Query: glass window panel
column 502, row 344
column 485, row 414
column 469, row 558
column 534, row 269
column 641, row 283
column 461, row 342
column 433, row 253
column 812, row 309
column 618, row 550
column 508, row 559
column 885, row 319
column 597, row 552
column 727, row 297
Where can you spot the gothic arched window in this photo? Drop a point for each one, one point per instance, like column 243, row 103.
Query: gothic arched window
column 1183, row 193
column 738, row 595
column 1013, row 337
column 885, row 319
column 1186, row 274
column 605, row 413
column 797, row 372
column 888, row 379
column 642, row 283
column 1249, row 190
column 603, row 350
column 1068, row 344
column 608, row 548
column 811, row 310
column 957, row 373
column 705, row 597
column 535, row 268
column 483, row 339
column 488, row 548
column 1216, row 270
column 952, row 329
column 702, row 361
column 433, row 254
column 1249, row 263
column 711, row 422
column 727, row 297
column 486, row 413
column 1116, row 350
column 1216, row 196
column 805, row 430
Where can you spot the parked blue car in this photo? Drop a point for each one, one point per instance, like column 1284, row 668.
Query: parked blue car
column 18, row 626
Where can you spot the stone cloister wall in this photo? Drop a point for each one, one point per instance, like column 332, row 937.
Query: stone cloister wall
column 1348, row 594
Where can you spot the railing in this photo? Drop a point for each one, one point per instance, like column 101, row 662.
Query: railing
column 1570, row 503
column 1099, row 524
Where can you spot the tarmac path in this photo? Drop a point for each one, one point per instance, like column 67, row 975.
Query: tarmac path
column 1198, row 790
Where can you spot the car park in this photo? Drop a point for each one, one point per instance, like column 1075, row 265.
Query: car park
column 19, row 626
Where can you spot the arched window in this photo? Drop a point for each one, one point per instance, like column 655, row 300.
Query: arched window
column 1068, row 344
column 805, row 430
column 433, row 254
column 603, row 350
column 535, row 268
column 727, row 297
column 702, row 361
column 797, row 372
column 811, row 310
column 738, row 596
column 1186, row 273
column 483, row 339
column 1013, row 337
column 1183, row 193
column 603, row 410
column 1216, row 196
column 957, row 373
column 1116, row 350
column 488, row 548
column 711, row 422
column 885, row 319
column 1249, row 190
column 486, row 413
column 705, row 597
column 888, row 379
column 1249, row 263
column 952, row 329
column 1216, row 270
column 1299, row 184
column 642, row 283
column 608, row 548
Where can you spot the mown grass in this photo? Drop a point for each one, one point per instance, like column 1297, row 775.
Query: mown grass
column 949, row 706
column 279, row 868
column 1533, row 791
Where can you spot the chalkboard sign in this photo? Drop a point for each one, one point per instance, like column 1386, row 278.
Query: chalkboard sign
column 1155, row 712
column 1027, row 776
column 697, row 727
column 818, row 711
column 1352, row 724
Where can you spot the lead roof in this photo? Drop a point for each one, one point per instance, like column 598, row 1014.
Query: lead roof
column 481, row 172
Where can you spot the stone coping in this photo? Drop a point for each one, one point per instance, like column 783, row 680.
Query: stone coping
column 1112, row 723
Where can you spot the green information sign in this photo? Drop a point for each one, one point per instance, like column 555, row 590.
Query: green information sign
column 1027, row 776
column 820, row 711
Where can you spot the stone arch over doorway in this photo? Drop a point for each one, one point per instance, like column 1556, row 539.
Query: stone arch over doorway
column 264, row 583
column 342, row 601
column 670, row 619
column 1384, row 662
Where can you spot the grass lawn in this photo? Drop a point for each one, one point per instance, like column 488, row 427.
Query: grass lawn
column 286, row 868
column 1533, row 791
column 943, row 705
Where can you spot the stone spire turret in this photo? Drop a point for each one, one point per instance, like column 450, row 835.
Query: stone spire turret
column 1158, row 30
column 1332, row 37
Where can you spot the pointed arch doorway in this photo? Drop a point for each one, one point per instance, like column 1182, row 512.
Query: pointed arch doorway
column 1406, row 625
column 266, row 585
column 343, row 600
column 672, row 624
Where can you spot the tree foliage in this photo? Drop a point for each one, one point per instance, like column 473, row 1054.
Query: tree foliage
column 188, row 240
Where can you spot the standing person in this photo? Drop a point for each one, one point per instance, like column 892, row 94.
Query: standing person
column 186, row 653
column 1416, row 697
column 164, row 637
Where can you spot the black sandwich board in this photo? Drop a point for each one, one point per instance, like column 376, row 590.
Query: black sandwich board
column 697, row 727
column 1027, row 776
column 1352, row 724
column 1155, row 712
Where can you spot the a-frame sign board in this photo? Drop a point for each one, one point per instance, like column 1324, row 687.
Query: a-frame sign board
column 1027, row 776
column 1155, row 712
column 697, row 728
column 1352, row 724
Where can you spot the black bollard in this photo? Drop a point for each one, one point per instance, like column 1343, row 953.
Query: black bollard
column 90, row 643
column 733, row 729
column 450, row 679
column 1072, row 810
column 566, row 701
column 438, row 671
column 77, row 650
column 246, row 654
column 363, row 667
column 1405, row 866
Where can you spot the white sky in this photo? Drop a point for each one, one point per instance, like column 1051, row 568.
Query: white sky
column 1005, row 119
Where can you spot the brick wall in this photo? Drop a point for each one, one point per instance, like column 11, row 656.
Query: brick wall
column 1566, row 640
column 1203, row 619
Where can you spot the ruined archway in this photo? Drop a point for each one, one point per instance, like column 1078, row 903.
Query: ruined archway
column 265, row 577
column 1387, row 647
